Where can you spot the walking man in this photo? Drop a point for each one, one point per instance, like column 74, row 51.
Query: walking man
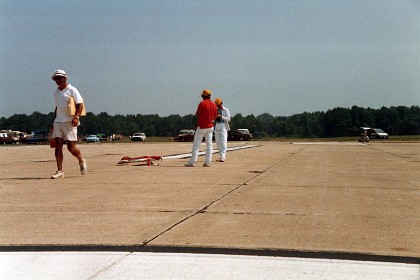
column 221, row 128
column 206, row 113
column 65, row 125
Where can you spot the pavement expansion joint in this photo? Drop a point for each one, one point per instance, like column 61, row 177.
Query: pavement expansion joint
column 272, row 252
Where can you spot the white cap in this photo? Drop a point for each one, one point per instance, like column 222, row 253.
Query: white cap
column 59, row 73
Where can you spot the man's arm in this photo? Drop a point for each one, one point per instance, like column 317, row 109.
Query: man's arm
column 79, row 109
column 226, row 118
column 55, row 115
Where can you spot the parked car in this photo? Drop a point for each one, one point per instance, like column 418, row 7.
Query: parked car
column 15, row 135
column 185, row 135
column 35, row 139
column 23, row 137
column 101, row 136
column 139, row 136
column 92, row 138
column 6, row 139
column 239, row 135
column 243, row 130
column 376, row 133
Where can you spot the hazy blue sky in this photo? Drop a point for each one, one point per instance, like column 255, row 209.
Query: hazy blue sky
column 155, row 57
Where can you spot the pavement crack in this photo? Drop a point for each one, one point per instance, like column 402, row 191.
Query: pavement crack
column 107, row 267
column 259, row 173
column 405, row 156
column 204, row 209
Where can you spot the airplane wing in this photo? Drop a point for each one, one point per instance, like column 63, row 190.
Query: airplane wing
column 139, row 159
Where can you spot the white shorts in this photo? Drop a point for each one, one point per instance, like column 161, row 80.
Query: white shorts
column 65, row 130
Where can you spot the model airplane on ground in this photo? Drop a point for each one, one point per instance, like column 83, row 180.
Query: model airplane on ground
column 147, row 159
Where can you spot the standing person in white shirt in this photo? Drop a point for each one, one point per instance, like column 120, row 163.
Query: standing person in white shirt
column 65, row 125
column 221, row 128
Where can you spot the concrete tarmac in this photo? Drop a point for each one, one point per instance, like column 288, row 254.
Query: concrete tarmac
column 339, row 200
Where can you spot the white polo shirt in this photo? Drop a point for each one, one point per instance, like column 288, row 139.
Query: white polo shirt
column 62, row 101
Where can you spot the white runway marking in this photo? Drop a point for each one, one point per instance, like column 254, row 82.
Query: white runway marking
column 125, row 265
column 180, row 156
column 329, row 143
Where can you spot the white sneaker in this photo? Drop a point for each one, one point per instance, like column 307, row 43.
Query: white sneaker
column 83, row 167
column 189, row 164
column 206, row 165
column 57, row 175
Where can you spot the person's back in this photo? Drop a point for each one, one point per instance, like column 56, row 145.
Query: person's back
column 206, row 113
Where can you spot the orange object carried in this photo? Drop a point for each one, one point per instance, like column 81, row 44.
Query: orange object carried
column 52, row 142
column 72, row 107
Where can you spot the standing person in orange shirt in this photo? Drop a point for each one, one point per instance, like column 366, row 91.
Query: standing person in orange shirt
column 206, row 112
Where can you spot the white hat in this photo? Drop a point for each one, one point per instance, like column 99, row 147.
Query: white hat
column 59, row 73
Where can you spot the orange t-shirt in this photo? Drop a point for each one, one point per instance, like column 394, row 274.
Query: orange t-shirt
column 206, row 112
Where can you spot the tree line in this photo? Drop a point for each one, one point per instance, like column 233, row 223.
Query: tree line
column 337, row 122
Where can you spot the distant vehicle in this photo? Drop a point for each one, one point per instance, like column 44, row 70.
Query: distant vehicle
column 139, row 136
column 239, row 135
column 243, row 130
column 376, row 133
column 101, row 136
column 35, row 139
column 14, row 134
column 92, row 138
column 185, row 135
column 23, row 137
column 6, row 139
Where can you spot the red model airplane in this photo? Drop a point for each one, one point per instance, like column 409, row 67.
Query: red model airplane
column 148, row 159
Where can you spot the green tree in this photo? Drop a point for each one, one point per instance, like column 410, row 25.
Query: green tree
column 281, row 127
column 334, row 123
column 237, row 121
column 337, row 122
column 265, row 123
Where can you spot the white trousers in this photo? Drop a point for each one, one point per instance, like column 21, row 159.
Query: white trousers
column 221, row 142
column 207, row 133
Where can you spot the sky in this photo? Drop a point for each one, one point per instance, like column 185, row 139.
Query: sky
column 264, row 56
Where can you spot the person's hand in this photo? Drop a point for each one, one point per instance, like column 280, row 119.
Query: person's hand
column 75, row 121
